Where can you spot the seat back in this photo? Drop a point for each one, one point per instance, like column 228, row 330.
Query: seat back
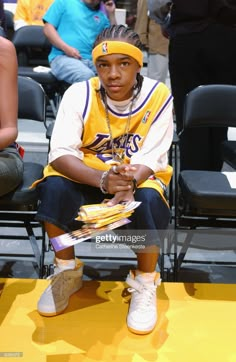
column 31, row 100
column 210, row 105
column 2, row 32
column 32, row 48
column 31, row 45
column 9, row 16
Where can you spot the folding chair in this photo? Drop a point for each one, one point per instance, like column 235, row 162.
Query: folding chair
column 18, row 208
column 9, row 16
column 32, row 49
column 228, row 151
column 205, row 199
column 2, row 32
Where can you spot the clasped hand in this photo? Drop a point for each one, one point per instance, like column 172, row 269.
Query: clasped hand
column 119, row 181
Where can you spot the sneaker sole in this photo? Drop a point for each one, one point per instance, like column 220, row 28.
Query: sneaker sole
column 135, row 331
column 52, row 314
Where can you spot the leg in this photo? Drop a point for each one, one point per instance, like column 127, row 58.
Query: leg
column 71, row 70
column 157, row 67
column 11, row 170
column 67, row 277
column 147, row 260
column 151, row 218
column 53, row 231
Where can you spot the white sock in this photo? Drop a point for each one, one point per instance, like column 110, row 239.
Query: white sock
column 65, row 264
column 145, row 277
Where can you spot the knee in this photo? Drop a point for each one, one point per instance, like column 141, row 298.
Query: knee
column 153, row 207
column 52, row 186
column 85, row 75
column 148, row 196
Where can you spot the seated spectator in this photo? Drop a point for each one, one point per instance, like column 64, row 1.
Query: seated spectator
column 71, row 28
column 11, row 163
column 156, row 44
column 111, row 140
column 30, row 12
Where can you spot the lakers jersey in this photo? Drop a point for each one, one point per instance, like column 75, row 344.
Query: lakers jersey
column 98, row 145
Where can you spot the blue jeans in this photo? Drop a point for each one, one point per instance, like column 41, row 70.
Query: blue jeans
column 61, row 199
column 72, row 70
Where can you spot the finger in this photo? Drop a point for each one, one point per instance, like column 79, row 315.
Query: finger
column 119, row 182
column 123, row 170
column 126, row 167
column 128, row 171
column 112, row 202
column 118, row 198
column 115, row 169
column 123, row 189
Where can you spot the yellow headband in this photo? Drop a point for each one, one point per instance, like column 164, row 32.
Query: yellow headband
column 117, row 47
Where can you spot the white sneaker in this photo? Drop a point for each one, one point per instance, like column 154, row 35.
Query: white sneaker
column 55, row 298
column 142, row 315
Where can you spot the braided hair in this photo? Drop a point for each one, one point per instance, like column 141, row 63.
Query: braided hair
column 121, row 32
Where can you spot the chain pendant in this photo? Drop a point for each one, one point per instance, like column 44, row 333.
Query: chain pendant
column 118, row 158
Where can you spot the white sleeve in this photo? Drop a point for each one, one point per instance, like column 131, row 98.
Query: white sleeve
column 68, row 128
column 154, row 151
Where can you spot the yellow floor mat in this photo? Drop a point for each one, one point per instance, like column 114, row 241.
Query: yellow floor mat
column 197, row 322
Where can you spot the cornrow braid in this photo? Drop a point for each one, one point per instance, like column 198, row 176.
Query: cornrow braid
column 121, row 32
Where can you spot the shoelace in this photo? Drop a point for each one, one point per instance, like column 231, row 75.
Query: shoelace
column 58, row 278
column 143, row 293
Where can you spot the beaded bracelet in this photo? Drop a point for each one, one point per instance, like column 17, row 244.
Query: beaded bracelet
column 104, row 175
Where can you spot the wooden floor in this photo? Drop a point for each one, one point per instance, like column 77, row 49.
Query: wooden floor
column 197, row 322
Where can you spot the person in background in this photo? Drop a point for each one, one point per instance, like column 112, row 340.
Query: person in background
column 103, row 7
column 72, row 27
column 201, row 51
column 2, row 17
column 11, row 163
column 30, row 12
column 110, row 140
column 155, row 43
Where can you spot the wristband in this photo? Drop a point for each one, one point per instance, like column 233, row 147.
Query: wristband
column 134, row 185
column 104, row 175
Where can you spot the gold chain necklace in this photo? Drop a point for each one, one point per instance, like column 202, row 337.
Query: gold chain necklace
column 118, row 156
